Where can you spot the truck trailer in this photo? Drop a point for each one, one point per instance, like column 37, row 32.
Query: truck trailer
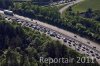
column 8, row 12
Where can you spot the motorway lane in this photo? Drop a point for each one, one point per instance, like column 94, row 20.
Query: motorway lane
column 70, row 4
column 65, row 33
column 70, row 34
column 81, row 39
column 66, row 43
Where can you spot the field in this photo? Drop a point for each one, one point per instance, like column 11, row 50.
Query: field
column 83, row 6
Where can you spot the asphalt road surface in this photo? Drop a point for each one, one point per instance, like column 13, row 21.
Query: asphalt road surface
column 70, row 39
column 69, row 4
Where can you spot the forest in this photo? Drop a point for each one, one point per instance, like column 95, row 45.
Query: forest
column 21, row 46
column 85, row 24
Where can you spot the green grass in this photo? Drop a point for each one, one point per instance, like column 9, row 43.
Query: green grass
column 83, row 6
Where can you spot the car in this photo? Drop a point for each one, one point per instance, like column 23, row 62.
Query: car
column 48, row 31
column 30, row 25
column 87, row 54
column 26, row 24
column 87, row 49
column 80, row 45
column 9, row 18
column 65, row 40
column 97, row 54
column 94, row 47
column 5, row 17
column 93, row 55
column 69, row 42
column 78, row 49
column 75, row 36
column 42, row 30
column 45, row 30
column 88, row 42
column 74, row 45
column 83, row 49
column 18, row 20
column 98, row 57
column 37, row 27
column 58, row 37
column 52, row 34
column 91, row 51
column 33, row 26
column 74, row 41
column 70, row 45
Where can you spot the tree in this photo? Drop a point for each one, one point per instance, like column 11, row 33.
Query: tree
column 89, row 13
column 11, row 58
column 6, row 3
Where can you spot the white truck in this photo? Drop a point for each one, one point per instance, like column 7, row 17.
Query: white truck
column 8, row 12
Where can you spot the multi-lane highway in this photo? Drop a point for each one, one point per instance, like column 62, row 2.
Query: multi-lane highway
column 69, row 4
column 71, row 40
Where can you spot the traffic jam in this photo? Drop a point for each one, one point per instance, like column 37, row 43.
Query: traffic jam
column 68, row 41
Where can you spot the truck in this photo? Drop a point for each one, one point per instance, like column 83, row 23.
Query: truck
column 8, row 12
